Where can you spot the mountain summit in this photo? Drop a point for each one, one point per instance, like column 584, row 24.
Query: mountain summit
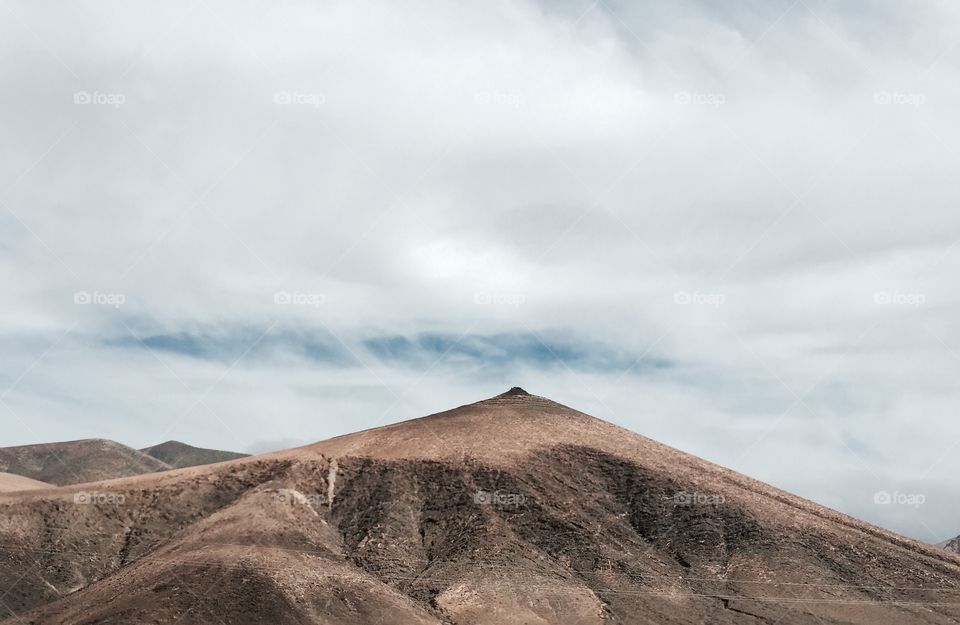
column 512, row 510
column 179, row 455
column 516, row 391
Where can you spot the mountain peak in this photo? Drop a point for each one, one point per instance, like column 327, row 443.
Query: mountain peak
column 516, row 391
column 180, row 455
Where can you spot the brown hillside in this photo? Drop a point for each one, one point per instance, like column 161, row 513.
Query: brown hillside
column 513, row 510
column 10, row 483
column 76, row 462
column 179, row 455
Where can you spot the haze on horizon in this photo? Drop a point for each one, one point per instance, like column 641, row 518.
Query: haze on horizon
column 732, row 230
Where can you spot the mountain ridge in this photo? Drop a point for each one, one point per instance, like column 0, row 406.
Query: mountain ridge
column 179, row 455
column 78, row 461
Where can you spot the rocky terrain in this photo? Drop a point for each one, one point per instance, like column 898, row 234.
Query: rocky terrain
column 953, row 544
column 514, row 510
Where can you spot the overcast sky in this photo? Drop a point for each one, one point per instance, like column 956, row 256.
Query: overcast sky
column 254, row 225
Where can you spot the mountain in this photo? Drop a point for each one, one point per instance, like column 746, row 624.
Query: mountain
column 953, row 544
column 75, row 462
column 513, row 510
column 10, row 483
column 179, row 455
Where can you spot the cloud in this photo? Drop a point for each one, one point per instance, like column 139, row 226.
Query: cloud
column 289, row 347
column 505, row 351
column 228, row 345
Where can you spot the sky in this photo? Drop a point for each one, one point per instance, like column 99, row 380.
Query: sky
column 729, row 227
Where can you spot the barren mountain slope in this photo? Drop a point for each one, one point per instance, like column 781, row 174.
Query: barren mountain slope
column 179, row 455
column 75, row 462
column 953, row 544
column 511, row 510
column 10, row 483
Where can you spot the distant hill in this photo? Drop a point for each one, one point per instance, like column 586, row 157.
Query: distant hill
column 952, row 545
column 11, row 483
column 77, row 462
column 179, row 455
